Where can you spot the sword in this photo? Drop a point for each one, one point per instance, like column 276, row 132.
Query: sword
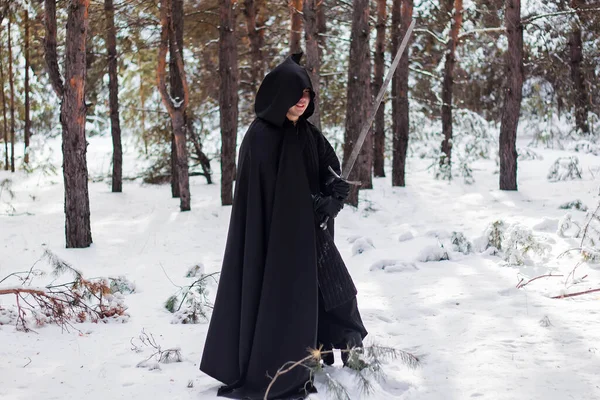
column 370, row 117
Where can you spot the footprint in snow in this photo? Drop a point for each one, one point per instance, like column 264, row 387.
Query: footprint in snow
column 393, row 266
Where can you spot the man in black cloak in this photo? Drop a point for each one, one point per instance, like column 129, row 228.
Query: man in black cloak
column 284, row 287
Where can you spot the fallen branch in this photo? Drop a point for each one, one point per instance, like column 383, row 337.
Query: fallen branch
column 313, row 363
column 63, row 304
column 520, row 285
column 563, row 296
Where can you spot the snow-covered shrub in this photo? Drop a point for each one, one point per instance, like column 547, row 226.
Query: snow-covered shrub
column 195, row 271
column 590, row 235
column 441, row 167
column 567, row 227
column 361, row 244
column 589, row 255
column 565, row 169
column 492, row 236
column 584, row 146
column 190, row 304
column 121, row 285
column 519, row 243
column 528, row 154
column 460, row 243
column 433, row 253
column 575, row 204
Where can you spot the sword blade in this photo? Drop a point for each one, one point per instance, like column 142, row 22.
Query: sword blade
column 371, row 115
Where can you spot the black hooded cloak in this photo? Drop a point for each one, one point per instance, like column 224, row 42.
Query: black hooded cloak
column 269, row 307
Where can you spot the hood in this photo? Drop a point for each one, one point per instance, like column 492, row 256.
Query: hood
column 282, row 88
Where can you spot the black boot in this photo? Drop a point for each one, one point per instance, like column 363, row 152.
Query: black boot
column 328, row 358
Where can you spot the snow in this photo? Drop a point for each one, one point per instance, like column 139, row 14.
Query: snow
column 476, row 334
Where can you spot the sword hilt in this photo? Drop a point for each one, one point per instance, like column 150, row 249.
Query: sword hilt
column 323, row 224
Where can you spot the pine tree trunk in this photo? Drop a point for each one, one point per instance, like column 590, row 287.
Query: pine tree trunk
column 296, row 26
column 72, row 116
column 400, row 141
column 379, row 135
column 175, row 83
column 395, row 41
column 448, row 82
column 576, row 58
column 27, row 131
column 313, row 59
column 512, row 96
column 252, row 10
column 321, row 26
column 171, row 16
column 11, row 82
column 358, row 96
column 113, row 87
column 4, row 117
column 228, row 98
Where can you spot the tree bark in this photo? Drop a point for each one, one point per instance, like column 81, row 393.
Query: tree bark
column 176, row 109
column 113, row 87
column 175, row 45
column 313, row 58
column 395, row 42
column 579, row 92
column 296, row 26
column 255, row 25
column 358, row 97
column 400, row 141
column 321, row 26
column 27, row 131
column 4, row 117
column 228, row 98
column 11, row 82
column 379, row 136
column 448, row 82
column 72, row 116
column 512, row 96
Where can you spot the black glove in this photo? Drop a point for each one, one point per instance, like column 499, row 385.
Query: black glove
column 337, row 188
column 327, row 206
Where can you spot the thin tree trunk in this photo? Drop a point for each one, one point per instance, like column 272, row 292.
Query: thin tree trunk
column 143, row 112
column 252, row 10
column 400, row 142
column 113, row 85
column 72, row 116
column 313, row 59
column 379, row 136
column 512, row 96
column 228, row 98
column 4, row 117
column 296, row 26
column 448, row 83
column 27, row 131
column 176, row 111
column 358, row 96
column 11, row 82
column 579, row 91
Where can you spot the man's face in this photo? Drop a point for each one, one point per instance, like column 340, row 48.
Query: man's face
column 297, row 110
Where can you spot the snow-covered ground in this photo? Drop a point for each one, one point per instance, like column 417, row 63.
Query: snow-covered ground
column 477, row 335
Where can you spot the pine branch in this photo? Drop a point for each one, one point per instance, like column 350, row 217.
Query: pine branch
column 557, row 14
